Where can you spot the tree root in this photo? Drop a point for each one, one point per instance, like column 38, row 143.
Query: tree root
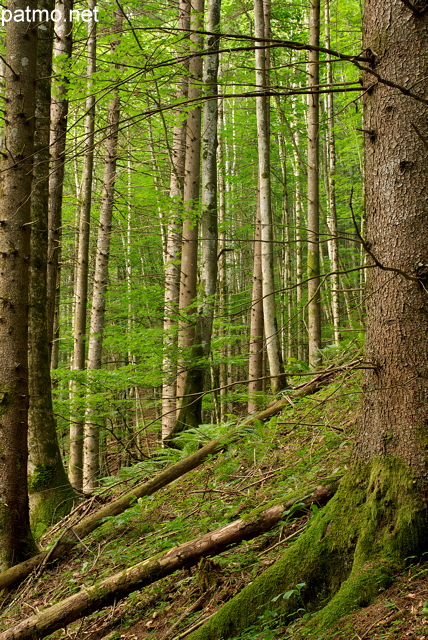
column 349, row 553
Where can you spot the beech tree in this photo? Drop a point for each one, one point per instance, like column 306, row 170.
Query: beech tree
column 91, row 444
column 314, row 296
column 75, row 470
column 378, row 517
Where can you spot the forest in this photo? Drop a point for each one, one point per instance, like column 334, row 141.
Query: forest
column 214, row 319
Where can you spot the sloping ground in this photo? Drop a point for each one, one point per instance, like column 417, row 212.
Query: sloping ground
column 305, row 447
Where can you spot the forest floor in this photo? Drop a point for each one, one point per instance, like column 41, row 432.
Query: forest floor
column 305, row 447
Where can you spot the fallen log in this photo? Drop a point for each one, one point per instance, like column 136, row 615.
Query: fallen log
column 75, row 534
column 121, row 584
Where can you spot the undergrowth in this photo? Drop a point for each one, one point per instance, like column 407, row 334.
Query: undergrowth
column 306, row 446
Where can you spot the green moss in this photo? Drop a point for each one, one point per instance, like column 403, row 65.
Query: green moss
column 41, row 478
column 51, row 496
column 349, row 553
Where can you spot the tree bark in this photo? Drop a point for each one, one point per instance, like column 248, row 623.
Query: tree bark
column 75, row 471
column 91, row 447
column 209, row 220
column 189, row 414
column 189, row 252
column 333, row 243
column 51, row 495
column 62, row 48
column 263, row 145
column 314, row 295
column 255, row 361
column 118, row 586
column 16, row 172
column 173, row 249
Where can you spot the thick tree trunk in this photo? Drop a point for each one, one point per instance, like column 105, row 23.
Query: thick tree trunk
column 314, row 296
column 91, row 445
column 118, row 586
column 51, row 495
column 75, row 471
column 378, row 518
column 209, row 220
column 16, row 172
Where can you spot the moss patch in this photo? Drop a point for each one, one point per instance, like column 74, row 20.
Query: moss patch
column 348, row 554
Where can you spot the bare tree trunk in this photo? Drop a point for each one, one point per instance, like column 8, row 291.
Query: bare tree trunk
column 16, row 172
column 333, row 243
column 97, row 322
column 314, row 296
column 59, row 111
column 75, row 471
column 255, row 364
column 173, row 250
column 51, row 495
column 298, row 208
column 189, row 251
column 263, row 145
column 209, row 221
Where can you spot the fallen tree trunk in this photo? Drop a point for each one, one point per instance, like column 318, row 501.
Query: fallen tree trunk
column 118, row 586
column 73, row 535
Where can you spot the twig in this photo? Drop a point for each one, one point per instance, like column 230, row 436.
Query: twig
column 191, row 609
column 369, row 251
column 194, row 627
column 292, row 535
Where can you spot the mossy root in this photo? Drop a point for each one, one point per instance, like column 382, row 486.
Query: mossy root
column 349, row 553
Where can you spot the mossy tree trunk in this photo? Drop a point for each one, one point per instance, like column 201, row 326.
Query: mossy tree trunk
column 378, row 518
column 51, row 495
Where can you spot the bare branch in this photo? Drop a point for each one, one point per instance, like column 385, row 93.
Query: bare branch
column 369, row 252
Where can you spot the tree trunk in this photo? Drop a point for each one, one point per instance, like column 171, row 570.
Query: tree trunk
column 121, row 584
column 255, row 362
column 173, row 249
column 189, row 413
column 51, row 495
column 16, row 171
column 75, row 471
column 209, row 224
column 378, row 517
column 333, row 243
column 62, row 48
column 314, row 296
column 263, row 145
column 96, row 331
